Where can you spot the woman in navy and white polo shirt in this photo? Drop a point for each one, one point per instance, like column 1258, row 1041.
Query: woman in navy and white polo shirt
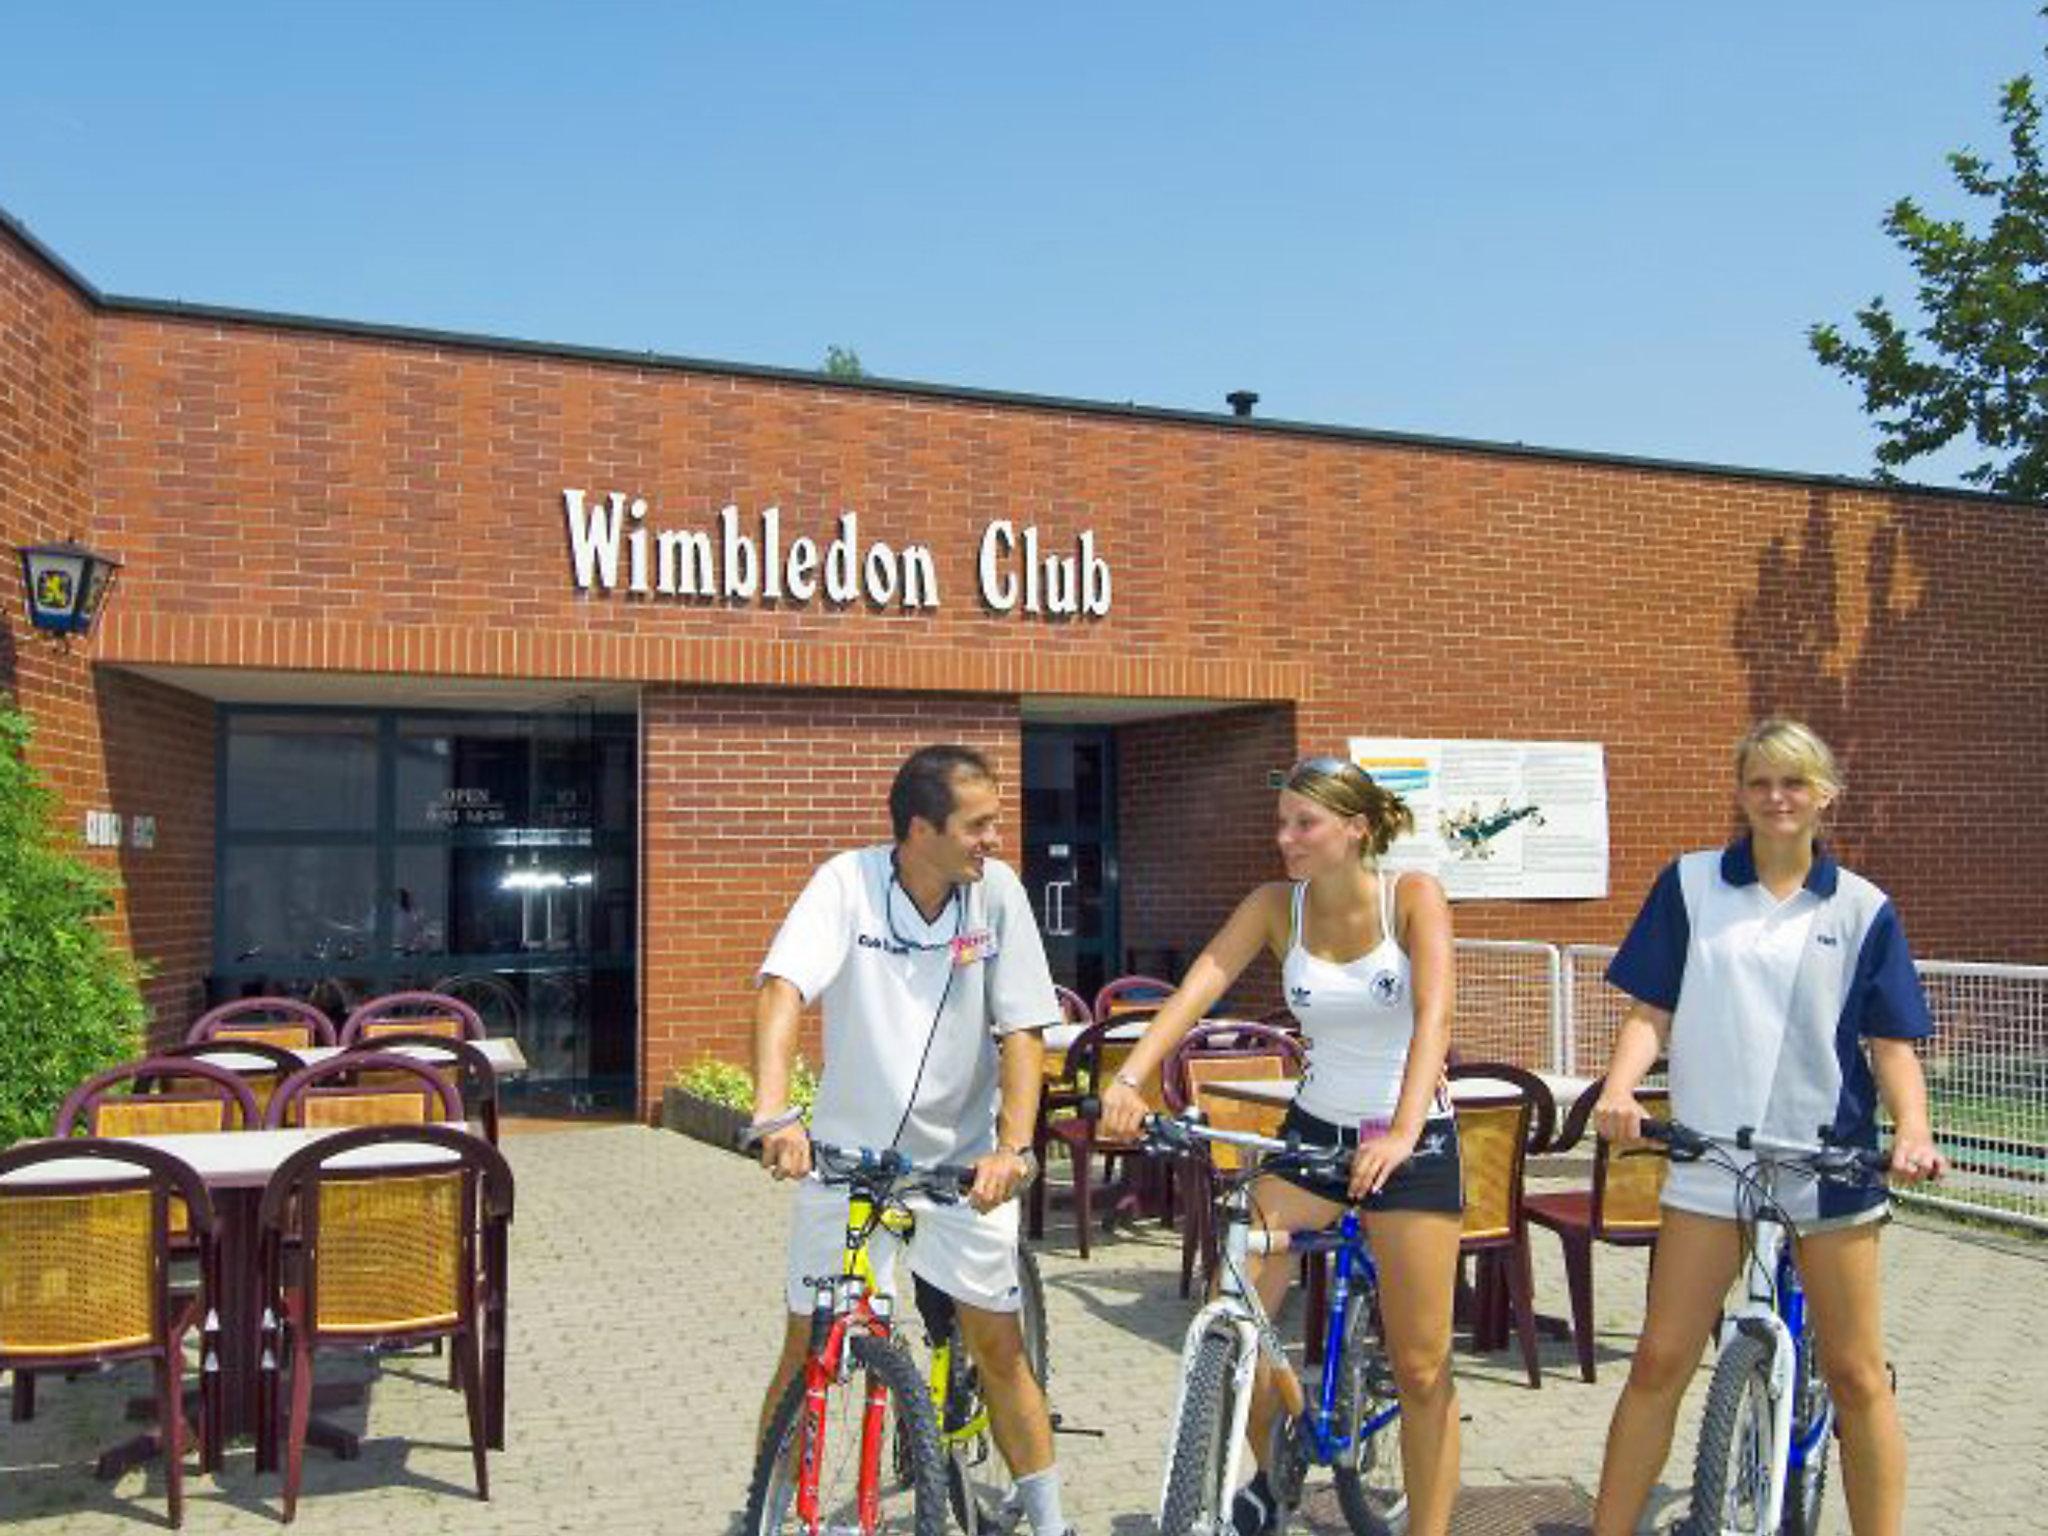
column 1365, row 956
column 1780, row 987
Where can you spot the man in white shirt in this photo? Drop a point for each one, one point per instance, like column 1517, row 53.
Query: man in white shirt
column 934, row 985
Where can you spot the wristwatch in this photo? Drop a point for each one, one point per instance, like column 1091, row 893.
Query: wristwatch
column 1026, row 1156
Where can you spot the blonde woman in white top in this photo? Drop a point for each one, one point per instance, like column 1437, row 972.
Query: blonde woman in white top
column 1366, row 959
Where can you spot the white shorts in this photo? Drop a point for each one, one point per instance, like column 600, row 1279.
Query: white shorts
column 1705, row 1188
column 969, row 1255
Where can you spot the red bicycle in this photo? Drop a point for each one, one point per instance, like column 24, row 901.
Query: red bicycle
column 853, row 1447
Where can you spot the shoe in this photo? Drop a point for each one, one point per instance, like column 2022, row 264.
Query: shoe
column 1255, row 1512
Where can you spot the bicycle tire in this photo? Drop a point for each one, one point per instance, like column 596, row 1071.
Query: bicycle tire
column 1371, row 1485
column 918, row 1507
column 1806, row 1486
column 1196, row 1500
column 1731, row 1469
column 979, row 1504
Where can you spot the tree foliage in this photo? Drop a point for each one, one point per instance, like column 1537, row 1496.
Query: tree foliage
column 1977, row 370
column 843, row 363
column 69, row 1003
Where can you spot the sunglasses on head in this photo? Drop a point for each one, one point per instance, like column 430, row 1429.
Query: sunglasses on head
column 1323, row 765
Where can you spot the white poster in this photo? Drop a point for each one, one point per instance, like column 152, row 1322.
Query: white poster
column 1509, row 820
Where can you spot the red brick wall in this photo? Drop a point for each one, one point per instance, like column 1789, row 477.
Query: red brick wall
column 299, row 500
column 744, row 795
column 159, row 744
column 1195, row 818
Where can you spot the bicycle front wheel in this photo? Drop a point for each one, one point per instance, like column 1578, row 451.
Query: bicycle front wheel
column 896, row 1465
column 1197, row 1495
column 1731, row 1489
column 1371, row 1488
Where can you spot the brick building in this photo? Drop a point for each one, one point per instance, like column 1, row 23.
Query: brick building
column 551, row 673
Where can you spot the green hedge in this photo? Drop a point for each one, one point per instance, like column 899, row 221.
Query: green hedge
column 69, row 1001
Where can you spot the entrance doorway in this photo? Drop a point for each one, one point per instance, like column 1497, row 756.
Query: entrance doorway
column 1070, row 850
column 491, row 856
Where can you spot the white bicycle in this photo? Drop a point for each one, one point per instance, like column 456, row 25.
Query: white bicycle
column 1762, row 1464
column 1353, row 1424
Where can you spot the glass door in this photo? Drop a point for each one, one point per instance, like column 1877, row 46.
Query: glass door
column 1070, row 865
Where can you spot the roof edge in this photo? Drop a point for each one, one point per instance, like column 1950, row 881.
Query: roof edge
column 170, row 309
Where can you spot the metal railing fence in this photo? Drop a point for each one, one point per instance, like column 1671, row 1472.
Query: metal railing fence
column 1507, row 1002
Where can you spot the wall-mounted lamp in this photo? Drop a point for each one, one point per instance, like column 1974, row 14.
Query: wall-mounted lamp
column 66, row 586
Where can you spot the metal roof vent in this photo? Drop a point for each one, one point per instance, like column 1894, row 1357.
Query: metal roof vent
column 1242, row 401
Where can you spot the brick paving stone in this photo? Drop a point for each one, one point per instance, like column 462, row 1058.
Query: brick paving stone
column 646, row 1307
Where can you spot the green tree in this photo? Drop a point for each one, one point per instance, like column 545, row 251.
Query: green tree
column 69, row 1003
column 842, row 363
column 1977, row 369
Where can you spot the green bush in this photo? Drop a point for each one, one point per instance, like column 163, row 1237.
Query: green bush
column 69, row 1003
column 733, row 1086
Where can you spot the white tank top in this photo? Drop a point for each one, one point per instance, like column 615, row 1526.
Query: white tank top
column 1357, row 1019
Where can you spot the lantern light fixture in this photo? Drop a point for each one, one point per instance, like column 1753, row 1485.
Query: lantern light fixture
column 66, row 585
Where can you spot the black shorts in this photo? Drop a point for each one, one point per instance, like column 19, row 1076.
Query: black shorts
column 1431, row 1180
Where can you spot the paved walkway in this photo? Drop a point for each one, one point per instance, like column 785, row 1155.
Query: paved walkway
column 645, row 1307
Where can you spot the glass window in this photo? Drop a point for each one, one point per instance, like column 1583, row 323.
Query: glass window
column 462, row 775
column 301, row 773
column 288, row 905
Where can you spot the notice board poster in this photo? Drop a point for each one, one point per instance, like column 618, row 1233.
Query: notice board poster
column 1500, row 820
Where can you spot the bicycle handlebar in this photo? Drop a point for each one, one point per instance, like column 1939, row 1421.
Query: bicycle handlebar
column 1179, row 1133
column 887, row 1167
column 1825, row 1158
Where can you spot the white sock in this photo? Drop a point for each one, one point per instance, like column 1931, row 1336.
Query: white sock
column 1040, row 1495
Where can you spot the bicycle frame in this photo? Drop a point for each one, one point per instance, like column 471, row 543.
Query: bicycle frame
column 1237, row 1308
column 842, row 1304
column 1775, row 1308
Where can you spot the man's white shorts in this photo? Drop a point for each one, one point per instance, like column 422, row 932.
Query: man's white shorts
column 970, row 1255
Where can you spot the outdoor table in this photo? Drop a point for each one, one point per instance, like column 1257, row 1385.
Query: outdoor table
column 1464, row 1090
column 235, row 1167
column 1058, row 1037
column 503, row 1053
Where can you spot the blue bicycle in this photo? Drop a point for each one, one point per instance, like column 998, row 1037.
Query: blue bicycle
column 1352, row 1425
column 1762, row 1464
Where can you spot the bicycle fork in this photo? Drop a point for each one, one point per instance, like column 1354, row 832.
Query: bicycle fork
column 1760, row 1318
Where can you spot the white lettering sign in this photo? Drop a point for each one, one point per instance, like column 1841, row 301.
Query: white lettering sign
column 102, row 829
column 612, row 548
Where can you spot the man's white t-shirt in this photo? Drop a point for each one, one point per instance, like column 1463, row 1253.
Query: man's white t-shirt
column 913, row 1007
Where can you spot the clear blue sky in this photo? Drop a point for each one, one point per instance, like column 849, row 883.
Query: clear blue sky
column 1587, row 224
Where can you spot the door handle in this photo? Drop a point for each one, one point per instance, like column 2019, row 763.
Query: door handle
column 1054, row 904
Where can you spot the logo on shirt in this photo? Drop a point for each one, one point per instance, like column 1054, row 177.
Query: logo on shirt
column 972, row 948
column 1386, row 987
column 1828, row 939
column 1298, row 996
column 886, row 946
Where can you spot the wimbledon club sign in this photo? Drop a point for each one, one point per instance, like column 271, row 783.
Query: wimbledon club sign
column 612, row 548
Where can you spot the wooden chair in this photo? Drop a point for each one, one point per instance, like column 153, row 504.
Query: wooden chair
column 400, row 1090
column 459, row 1063
column 1205, row 1054
column 1496, row 1134
column 1128, row 995
column 397, row 1236
column 413, row 1013
column 85, row 1283
column 1092, row 1060
column 1622, row 1207
column 158, row 1096
column 283, row 1021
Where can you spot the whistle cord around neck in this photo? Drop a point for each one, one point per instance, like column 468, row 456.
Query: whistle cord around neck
column 945, row 993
